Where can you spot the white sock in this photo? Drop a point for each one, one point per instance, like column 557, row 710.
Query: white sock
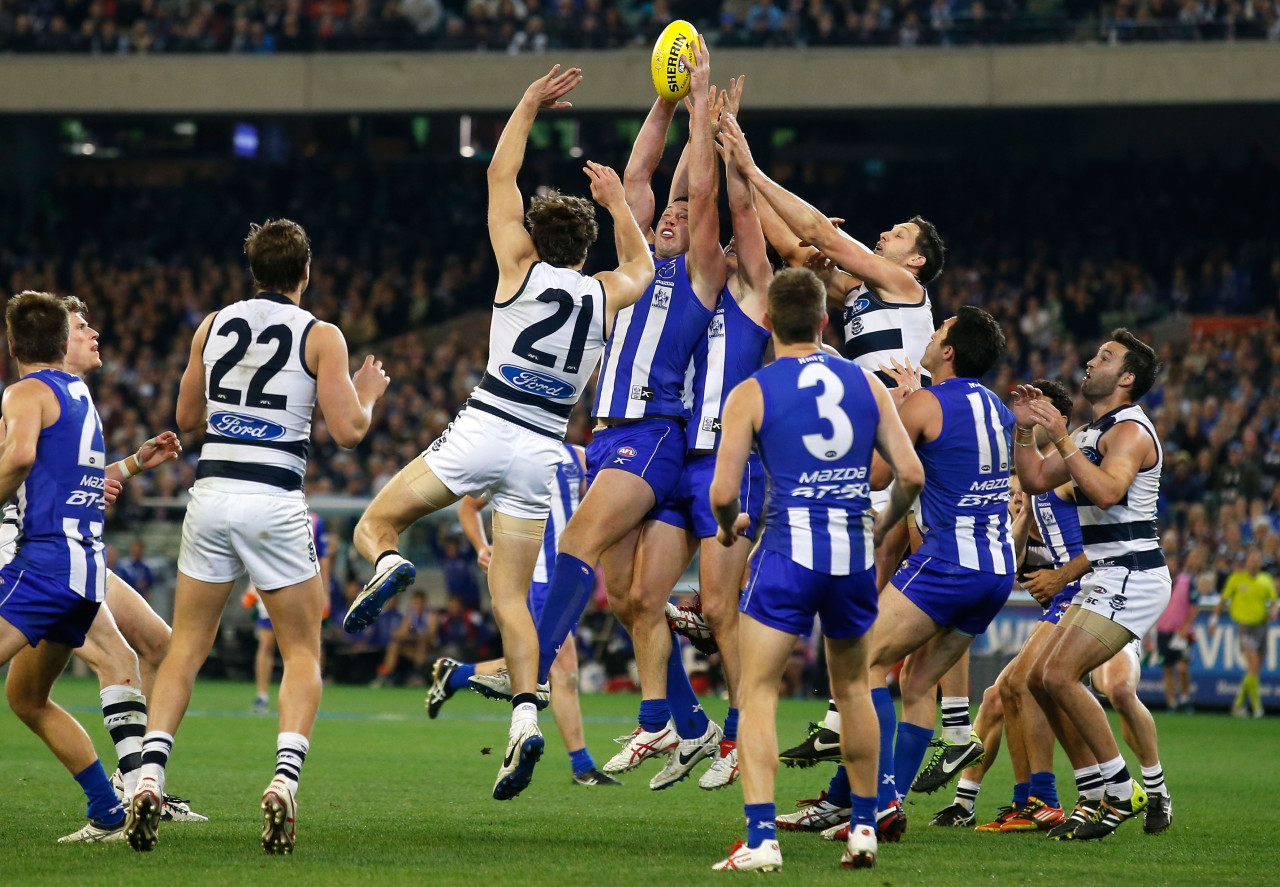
column 522, row 713
column 385, row 561
column 291, row 751
column 832, row 719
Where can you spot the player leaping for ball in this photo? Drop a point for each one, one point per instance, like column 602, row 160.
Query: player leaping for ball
column 636, row 457
column 731, row 348
column 549, row 327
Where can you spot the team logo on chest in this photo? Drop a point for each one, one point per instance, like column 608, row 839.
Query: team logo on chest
column 535, row 382
column 244, row 427
column 661, row 296
column 716, row 329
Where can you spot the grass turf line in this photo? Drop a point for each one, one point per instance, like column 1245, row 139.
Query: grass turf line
column 408, row 801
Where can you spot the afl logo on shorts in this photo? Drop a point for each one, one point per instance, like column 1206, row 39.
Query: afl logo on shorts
column 1117, row 602
column 244, row 427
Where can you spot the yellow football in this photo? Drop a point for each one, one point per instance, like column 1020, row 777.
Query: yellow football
column 670, row 75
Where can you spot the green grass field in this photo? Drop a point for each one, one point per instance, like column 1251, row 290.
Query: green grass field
column 390, row 797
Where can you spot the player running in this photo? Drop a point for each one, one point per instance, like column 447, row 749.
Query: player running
column 550, row 322
column 1114, row 464
column 816, row 420
column 257, row 370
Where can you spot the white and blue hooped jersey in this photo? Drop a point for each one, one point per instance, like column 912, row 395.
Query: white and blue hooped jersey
column 566, row 492
column 259, row 393
column 544, row 344
column 815, row 439
column 732, row 349
column 875, row 331
column 1124, row 534
column 964, row 508
column 60, row 505
column 649, row 349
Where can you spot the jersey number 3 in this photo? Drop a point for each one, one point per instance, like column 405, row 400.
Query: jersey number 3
column 824, row 447
column 239, row 327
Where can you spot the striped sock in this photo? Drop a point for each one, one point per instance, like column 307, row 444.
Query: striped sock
column 1089, row 782
column 1116, row 775
column 956, row 725
column 124, row 712
column 156, row 748
column 832, row 719
column 967, row 793
column 1153, row 779
column 291, row 751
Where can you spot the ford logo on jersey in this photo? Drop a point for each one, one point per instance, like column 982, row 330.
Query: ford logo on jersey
column 535, row 382
column 245, row 427
column 859, row 306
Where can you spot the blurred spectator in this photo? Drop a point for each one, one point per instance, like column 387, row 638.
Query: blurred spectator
column 134, row 570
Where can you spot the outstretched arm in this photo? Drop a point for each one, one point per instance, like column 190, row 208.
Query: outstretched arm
column 754, row 271
column 812, row 226
column 162, row 448
column 705, row 260
column 511, row 242
column 624, row 286
column 645, row 155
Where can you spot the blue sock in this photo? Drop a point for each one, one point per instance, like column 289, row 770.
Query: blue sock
column 104, row 806
column 888, row 719
column 731, row 725
column 458, row 679
column 654, row 714
column 908, row 754
column 760, row 823
column 838, row 788
column 1021, row 791
column 864, row 810
column 567, row 594
column 690, row 720
column 581, row 761
column 1045, row 788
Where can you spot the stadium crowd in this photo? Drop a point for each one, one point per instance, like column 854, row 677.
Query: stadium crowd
column 407, row 273
column 126, row 27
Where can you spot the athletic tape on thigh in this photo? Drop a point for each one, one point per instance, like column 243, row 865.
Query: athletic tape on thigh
column 419, row 478
column 1111, row 635
column 524, row 527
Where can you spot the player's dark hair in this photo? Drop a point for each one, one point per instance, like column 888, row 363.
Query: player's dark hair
column 977, row 340
column 929, row 244
column 278, row 252
column 1058, row 395
column 796, row 303
column 37, row 325
column 562, row 227
column 1139, row 359
column 75, row 305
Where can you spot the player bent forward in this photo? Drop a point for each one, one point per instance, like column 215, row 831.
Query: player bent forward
column 809, row 412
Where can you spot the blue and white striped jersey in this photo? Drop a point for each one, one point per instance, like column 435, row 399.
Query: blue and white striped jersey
column 1128, row 528
column 964, row 508
column 816, row 439
column 649, row 348
column 61, row 502
column 732, row 349
column 566, row 492
column 875, row 331
column 1059, row 524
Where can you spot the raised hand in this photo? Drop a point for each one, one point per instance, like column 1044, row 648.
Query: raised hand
column 1023, row 397
column 162, row 448
column 606, row 187
column 735, row 94
column 906, row 375
column 734, row 145
column 546, row 91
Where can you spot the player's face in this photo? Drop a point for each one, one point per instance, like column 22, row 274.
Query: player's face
column 82, row 347
column 931, row 360
column 671, row 236
column 1102, row 374
column 898, row 243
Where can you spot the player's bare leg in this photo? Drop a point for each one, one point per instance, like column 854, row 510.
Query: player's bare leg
column 32, row 673
column 663, row 554
column 141, row 626
column 1118, row 681
column 720, row 572
column 412, row 494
